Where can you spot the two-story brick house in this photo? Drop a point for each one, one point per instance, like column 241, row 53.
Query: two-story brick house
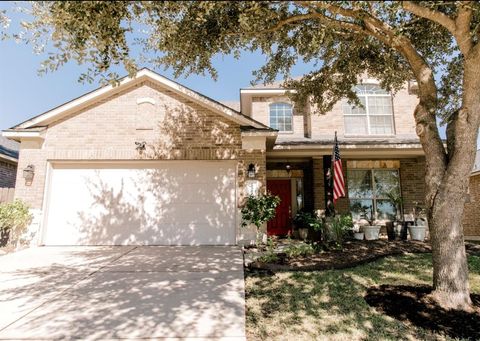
column 382, row 156
column 152, row 162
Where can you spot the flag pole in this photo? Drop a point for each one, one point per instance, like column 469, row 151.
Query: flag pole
column 338, row 177
column 332, row 173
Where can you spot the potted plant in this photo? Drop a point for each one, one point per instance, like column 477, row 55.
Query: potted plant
column 300, row 224
column 371, row 232
column 358, row 233
column 397, row 201
column 419, row 229
column 257, row 211
column 309, row 225
column 14, row 219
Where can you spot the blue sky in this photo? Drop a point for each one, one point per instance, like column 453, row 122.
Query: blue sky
column 24, row 94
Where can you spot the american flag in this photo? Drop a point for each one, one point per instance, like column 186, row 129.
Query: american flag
column 338, row 180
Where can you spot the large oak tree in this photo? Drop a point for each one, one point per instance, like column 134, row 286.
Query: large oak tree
column 435, row 43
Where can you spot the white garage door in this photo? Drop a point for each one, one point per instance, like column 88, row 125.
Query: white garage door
column 158, row 203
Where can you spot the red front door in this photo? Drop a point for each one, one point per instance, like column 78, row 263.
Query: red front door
column 281, row 224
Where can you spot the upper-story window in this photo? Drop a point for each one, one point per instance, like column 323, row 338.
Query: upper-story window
column 281, row 116
column 376, row 115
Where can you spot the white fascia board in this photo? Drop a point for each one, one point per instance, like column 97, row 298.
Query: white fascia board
column 143, row 74
column 8, row 158
column 265, row 91
column 260, row 133
column 18, row 135
column 350, row 146
column 65, row 108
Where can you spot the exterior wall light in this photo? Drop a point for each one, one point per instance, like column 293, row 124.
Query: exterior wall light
column 28, row 173
column 140, row 146
column 251, row 170
column 288, row 168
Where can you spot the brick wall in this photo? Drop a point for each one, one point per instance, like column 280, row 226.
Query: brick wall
column 8, row 173
column 261, row 113
column 318, row 185
column 412, row 182
column 471, row 216
column 321, row 126
column 342, row 205
column 108, row 130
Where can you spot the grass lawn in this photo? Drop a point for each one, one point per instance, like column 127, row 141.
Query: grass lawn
column 329, row 305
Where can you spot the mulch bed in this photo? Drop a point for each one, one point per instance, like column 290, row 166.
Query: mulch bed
column 354, row 253
column 411, row 304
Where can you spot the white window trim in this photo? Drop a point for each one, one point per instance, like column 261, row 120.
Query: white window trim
column 269, row 117
column 367, row 114
column 374, row 197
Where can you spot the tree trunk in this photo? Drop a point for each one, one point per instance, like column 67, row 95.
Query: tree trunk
column 450, row 269
column 447, row 200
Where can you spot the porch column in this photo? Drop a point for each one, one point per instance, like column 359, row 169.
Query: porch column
column 318, row 185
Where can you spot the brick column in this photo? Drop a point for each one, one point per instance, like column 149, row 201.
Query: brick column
column 318, row 185
column 412, row 182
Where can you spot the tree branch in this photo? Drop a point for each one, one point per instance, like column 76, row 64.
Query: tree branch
column 430, row 14
column 459, row 28
column 425, row 118
column 462, row 24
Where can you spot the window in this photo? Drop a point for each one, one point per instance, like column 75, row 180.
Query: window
column 372, row 193
column 376, row 115
column 281, row 116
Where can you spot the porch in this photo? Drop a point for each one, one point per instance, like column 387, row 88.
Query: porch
column 380, row 190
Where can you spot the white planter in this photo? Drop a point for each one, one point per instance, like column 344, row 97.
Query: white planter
column 371, row 232
column 417, row 232
column 358, row 235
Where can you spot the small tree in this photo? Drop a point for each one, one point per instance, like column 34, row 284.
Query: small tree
column 436, row 43
column 259, row 209
column 14, row 219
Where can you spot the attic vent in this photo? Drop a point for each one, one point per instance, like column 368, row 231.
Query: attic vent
column 145, row 116
column 146, row 100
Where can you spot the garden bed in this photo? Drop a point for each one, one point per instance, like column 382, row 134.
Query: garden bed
column 354, row 253
column 412, row 304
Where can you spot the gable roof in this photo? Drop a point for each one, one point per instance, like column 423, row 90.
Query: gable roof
column 8, row 149
column 142, row 75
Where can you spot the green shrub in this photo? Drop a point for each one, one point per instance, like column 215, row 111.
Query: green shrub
column 14, row 218
column 308, row 220
column 337, row 229
column 299, row 250
column 270, row 256
column 259, row 210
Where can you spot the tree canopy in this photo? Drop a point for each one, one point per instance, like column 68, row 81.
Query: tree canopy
column 187, row 35
column 434, row 42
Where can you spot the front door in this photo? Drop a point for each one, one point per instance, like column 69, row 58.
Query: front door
column 281, row 224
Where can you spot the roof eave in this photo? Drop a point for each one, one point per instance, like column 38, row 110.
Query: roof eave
column 144, row 74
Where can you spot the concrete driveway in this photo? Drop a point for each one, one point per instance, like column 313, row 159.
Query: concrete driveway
column 122, row 292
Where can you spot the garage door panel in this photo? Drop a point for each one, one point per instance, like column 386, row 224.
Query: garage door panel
column 176, row 203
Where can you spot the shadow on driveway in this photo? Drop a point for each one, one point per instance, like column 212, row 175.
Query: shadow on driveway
column 122, row 292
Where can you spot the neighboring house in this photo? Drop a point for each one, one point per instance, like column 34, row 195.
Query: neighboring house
column 471, row 219
column 152, row 162
column 8, row 162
